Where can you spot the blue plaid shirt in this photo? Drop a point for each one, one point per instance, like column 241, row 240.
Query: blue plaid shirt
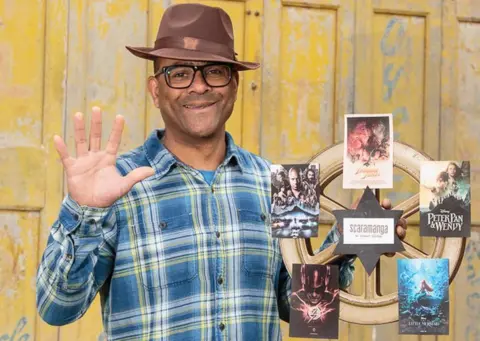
column 175, row 258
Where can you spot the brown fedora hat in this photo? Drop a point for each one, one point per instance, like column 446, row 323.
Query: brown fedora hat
column 194, row 32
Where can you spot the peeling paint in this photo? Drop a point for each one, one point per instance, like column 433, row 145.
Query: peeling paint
column 307, row 79
column 301, row 75
column 15, row 139
column 12, row 259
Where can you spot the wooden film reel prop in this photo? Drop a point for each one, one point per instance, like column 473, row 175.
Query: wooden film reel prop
column 371, row 307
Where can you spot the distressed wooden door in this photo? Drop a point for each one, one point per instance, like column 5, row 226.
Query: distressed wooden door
column 31, row 97
column 460, row 139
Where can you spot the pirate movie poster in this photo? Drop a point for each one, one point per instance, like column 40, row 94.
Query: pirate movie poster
column 445, row 198
column 295, row 206
column 423, row 296
column 314, row 308
column 368, row 150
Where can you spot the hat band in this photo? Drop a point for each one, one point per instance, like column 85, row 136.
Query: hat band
column 195, row 44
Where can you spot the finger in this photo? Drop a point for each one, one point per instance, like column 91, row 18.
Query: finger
column 62, row 151
column 135, row 176
column 390, row 254
column 96, row 130
column 80, row 138
column 115, row 135
column 386, row 204
column 403, row 223
column 401, row 232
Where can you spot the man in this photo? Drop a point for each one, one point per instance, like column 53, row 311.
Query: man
column 174, row 235
column 294, row 182
column 312, row 182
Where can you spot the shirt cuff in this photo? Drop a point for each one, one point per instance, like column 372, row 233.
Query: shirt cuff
column 336, row 233
column 72, row 215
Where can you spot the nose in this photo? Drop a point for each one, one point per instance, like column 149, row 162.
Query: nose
column 198, row 85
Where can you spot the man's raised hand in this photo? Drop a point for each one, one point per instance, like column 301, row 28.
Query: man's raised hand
column 92, row 177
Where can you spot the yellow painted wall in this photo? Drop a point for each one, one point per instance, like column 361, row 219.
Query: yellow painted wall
column 321, row 59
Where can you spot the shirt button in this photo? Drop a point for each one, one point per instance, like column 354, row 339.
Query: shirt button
column 217, row 234
column 68, row 256
column 221, row 326
column 220, row 280
column 263, row 217
column 91, row 221
column 163, row 225
column 213, row 190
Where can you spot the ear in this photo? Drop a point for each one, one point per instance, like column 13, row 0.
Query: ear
column 236, row 77
column 153, row 88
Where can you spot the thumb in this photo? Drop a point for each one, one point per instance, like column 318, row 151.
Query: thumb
column 137, row 175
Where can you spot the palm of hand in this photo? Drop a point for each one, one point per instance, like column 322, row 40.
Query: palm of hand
column 94, row 179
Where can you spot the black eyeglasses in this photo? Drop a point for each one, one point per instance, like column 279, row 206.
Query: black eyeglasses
column 182, row 76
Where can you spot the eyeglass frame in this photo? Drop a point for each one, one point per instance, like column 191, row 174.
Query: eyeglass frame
column 195, row 68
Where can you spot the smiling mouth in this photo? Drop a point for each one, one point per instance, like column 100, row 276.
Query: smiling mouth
column 198, row 106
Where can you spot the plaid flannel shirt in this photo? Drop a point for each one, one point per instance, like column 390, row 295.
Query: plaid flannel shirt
column 175, row 258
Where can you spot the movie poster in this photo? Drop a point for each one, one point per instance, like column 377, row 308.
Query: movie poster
column 423, row 296
column 295, row 206
column 368, row 151
column 315, row 303
column 445, row 199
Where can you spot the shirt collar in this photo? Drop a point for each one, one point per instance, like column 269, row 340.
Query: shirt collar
column 162, row 160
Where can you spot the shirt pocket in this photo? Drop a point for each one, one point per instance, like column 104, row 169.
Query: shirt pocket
column 167, row 252
column 258, row 249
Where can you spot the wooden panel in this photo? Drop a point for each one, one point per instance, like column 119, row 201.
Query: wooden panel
column 21, row 182
column 467, row 312
column 154, row 120
column 398, row 76
column 307, row 80
column 467, row 122
column 18, row 252
column 460, row 83
column 252, row 80
column 53, row 114
column 468, row 10
column 22, row 162
column 102, row 72
column 22, row 178
column 21, row 87
column 460, row 139
column 402, row 40
column 398, row 85
column 307, row 86
column 303, row 72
